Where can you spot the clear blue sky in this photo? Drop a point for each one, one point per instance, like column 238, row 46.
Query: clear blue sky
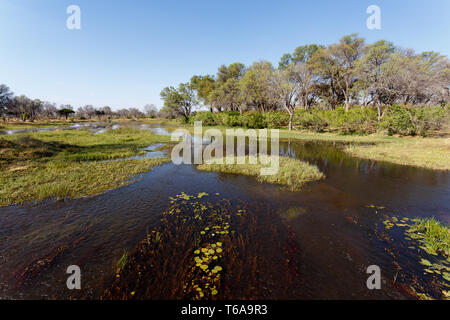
column 127, row 51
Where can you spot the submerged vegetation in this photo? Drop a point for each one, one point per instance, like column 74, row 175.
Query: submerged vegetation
column 59, row 164
column 292, row 174
column 427, row 241
column 218, row 254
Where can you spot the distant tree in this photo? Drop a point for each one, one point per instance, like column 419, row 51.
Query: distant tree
column 150, row 110
column 106, row 111
column 6, row 97
column 49, row 110
column 134, row 112
column 123, row 113
column 65, row 112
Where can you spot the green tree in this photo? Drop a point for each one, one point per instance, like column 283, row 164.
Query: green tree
column 257, row 87
column 66, row 112
column 345, row 54
column 180, row 100
column 203, row 85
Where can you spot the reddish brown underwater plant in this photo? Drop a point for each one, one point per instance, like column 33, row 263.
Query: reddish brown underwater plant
column 206, row 248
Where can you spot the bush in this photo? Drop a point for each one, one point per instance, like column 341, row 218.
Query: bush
column 356, row 120
column 398, row 120
column 311, row 119
column 207, row 118
column 253, row 120
column 231, row 119
column 428, row 119
column 276, row 119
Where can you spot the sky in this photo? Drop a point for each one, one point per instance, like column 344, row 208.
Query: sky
column 126, row 52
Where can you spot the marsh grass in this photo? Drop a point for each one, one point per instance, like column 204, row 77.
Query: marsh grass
column 434, row 235
column 292, row 174
column 63, row 164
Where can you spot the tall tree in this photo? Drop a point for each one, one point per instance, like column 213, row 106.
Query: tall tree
column 181, row 100
column 203, row 85
column 6, row 97
column 345, row 54
column 369, row 70
column 257, row 87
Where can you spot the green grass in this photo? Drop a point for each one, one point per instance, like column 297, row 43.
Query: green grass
column 434, row 235
column 432, row 153
column 293, row 174
column 60, row 164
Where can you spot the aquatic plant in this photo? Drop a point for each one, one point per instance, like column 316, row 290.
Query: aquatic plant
column 211, row 249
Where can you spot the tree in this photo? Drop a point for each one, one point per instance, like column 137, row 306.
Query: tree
column 150, row 110
column 227, row 96
column 49, row 110
column 65, row 112
column 6, row 97
column 301, row 54
column 235, row 70
column 181, row 100
column 107, row 111
column 203, row 85
column 369, row 71
column 257, row 87
column 345, row 54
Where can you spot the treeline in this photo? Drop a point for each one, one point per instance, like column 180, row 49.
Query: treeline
column 397, row 119
column 26, row 109
column 346, row 74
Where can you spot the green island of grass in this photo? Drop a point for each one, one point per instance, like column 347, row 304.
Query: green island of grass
column 292, row 174
column 58, row 164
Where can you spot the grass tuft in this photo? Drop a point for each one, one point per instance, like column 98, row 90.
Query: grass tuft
column 293, row 174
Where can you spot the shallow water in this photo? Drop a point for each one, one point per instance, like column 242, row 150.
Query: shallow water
column 335, row 230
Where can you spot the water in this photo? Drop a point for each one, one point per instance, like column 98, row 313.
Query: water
column 335, row 230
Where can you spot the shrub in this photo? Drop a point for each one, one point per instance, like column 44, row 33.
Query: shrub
column 276, row 119
column 207, row 118
column 428, row 119
column 356, row 120
column 398, row 120
column 231, row 119
column 311, row 119
column 253, row 120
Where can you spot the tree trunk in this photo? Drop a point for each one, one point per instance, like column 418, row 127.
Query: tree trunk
column 291, row 116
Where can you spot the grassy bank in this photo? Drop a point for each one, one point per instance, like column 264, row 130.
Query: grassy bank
column 431, row 153
column 293, row 174
column 61, row 164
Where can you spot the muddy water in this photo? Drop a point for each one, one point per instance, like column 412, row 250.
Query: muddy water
column 335, row 229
